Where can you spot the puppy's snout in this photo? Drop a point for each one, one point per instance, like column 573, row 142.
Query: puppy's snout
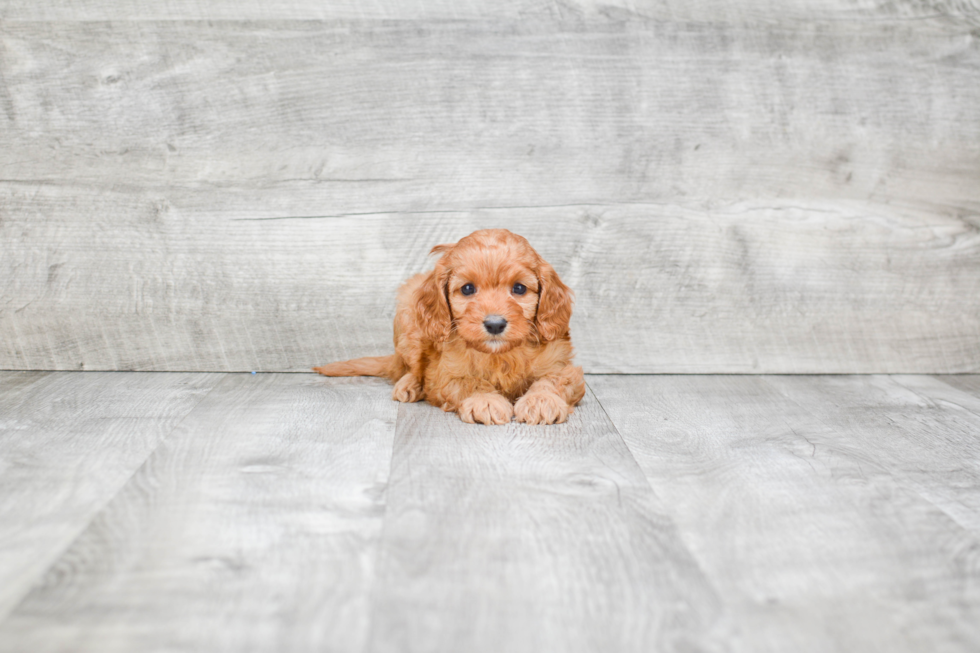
column 494, row 324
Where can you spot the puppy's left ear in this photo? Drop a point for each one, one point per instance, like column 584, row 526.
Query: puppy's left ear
column 441, row 249
column 554, row 304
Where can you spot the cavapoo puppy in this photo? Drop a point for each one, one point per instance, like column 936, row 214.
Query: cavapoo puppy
column 484, row 334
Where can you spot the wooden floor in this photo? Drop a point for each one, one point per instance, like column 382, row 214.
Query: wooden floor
column 290, row 512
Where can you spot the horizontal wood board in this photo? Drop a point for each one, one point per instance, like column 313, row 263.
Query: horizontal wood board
column 739, row 288
column 830, row 513
column 726, row 196
column 254, row 526
column 383, row 116
column 960, row 11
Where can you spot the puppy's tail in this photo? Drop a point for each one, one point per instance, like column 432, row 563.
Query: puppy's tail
column 368, row 366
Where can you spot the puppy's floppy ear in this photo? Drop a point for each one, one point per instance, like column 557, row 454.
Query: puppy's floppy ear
column 431, row 303
column 441, row 249
column 554, row 304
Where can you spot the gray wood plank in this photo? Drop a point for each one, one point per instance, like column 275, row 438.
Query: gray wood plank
column 520, row 538
column 969, row 383
column 679, row 173
column 787, row 491
column 407, row 115
column 14, row 386
column 68, row 443
column 252, row 527
column 953, row 393
column 938, row 451
column 749, row 287
column 922, row 431
column 705, row 10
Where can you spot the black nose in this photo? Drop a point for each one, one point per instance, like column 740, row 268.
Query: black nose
column 494, row 324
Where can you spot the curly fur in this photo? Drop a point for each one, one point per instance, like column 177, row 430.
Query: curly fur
column 445, row 355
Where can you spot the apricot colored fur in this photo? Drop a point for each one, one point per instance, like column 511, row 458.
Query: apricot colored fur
column 445, row 355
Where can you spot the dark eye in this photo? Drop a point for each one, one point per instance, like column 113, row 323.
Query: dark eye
column 468, row 289
column 519, row 289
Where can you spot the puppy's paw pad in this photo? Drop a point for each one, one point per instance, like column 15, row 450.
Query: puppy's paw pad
column 543, row 408
column 486, row 409
column 407, row 390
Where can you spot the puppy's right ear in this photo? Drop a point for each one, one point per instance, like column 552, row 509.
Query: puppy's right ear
column 431, row 303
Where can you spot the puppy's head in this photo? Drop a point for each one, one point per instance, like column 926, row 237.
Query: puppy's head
column 497, row 292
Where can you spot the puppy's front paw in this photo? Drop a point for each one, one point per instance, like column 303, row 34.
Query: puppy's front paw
column 541, row 408
column 486, row 408
column 408, row 389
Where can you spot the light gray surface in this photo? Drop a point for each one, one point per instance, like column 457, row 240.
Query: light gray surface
column 765, row 188
column 953, row 11
column 252, row 527
column 929, row 434
column 743, row 288
column 968, row 383
column 321, row 118
column 295, row 512
column 530, row 539
column 830, row 513
column 68, row 443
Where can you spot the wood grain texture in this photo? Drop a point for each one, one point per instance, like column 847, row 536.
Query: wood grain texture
column 520, row 538
column 406, row 115
column 791, row 495
column 969, row 383
column 682, row 513
column 68, row 443
column 760, row 196
column 252, row 527
column 933, row 452
column 706, row 10
column 664, row 288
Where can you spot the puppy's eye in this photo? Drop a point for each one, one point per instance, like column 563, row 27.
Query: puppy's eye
column 519, row 289
column 468, row 289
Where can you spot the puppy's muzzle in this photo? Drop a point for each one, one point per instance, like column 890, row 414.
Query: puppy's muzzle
column 494, row 324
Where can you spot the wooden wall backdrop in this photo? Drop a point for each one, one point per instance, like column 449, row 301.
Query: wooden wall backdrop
column 744, row 186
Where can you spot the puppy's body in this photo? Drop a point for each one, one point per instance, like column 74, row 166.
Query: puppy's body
column 484, row 334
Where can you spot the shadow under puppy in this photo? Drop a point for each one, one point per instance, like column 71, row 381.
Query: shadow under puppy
column 484, row 334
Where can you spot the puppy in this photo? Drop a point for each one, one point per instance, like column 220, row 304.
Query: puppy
column 484, row 334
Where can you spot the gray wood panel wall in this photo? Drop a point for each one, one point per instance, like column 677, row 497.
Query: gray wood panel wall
column 750, row 186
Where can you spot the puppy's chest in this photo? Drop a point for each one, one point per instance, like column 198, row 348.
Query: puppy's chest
column 511, row 377
column 510, row 373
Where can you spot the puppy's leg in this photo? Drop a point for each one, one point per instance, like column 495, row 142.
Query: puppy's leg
column 474, row 400
column 486, row 408
column 408, row 389
column 550, row 399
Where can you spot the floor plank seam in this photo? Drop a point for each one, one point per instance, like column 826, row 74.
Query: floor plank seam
column 106, row 503
column 382, row 532
column 653, row 491
column 612, row 423
column 257, row 508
